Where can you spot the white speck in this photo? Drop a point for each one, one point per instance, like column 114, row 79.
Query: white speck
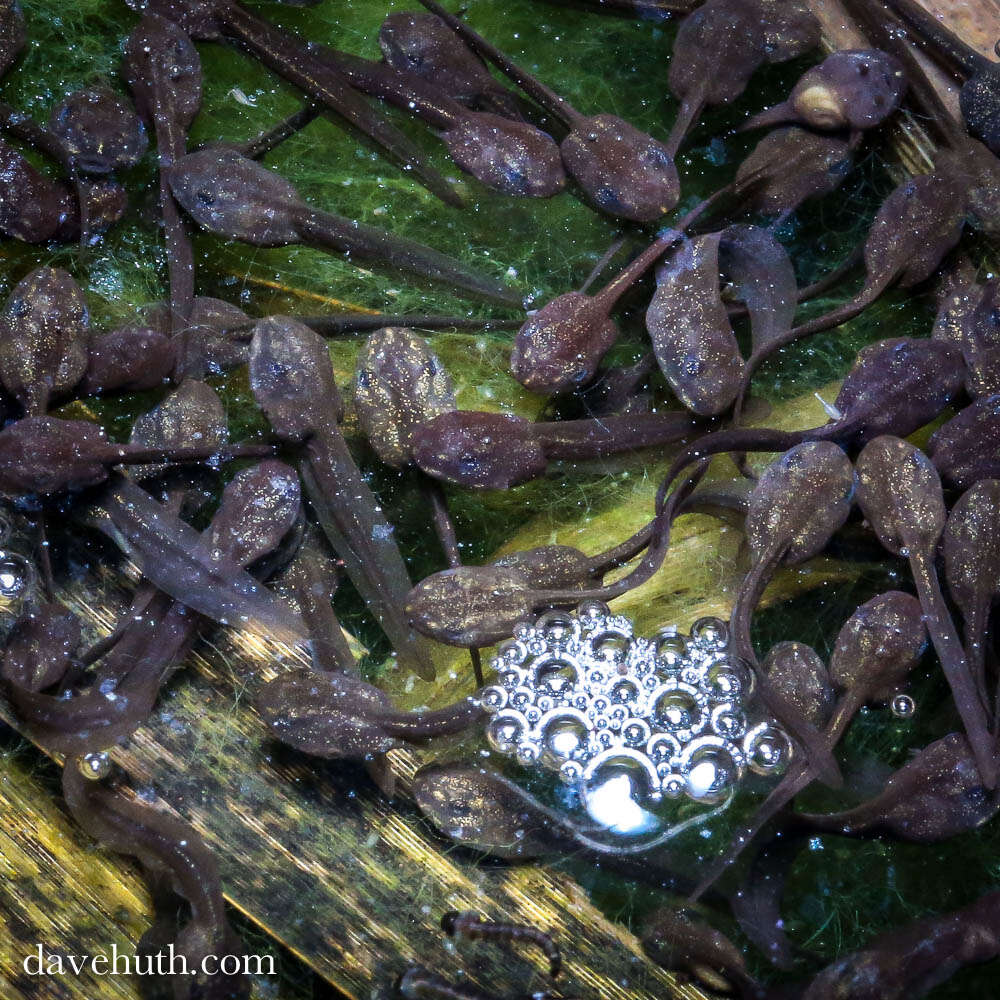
column 237, row 95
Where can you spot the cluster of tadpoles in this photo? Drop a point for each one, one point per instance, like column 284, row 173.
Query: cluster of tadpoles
column 307, row 522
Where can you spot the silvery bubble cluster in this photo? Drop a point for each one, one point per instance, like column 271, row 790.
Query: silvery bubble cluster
column 582, row 695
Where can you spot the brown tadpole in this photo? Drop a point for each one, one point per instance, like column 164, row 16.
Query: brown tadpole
column 969, row 316
column 34, row 208
column 98, row 131
column 471, row 926
column 964, row 449
column 291, row 57
column 127, row 359
column 337, row 715
column 800, row 501
column 937, row 794
column 693, row 338
column 510, row 156
column 421, row 44
column 912, row 960
column 44, row 330
column 622, row 170
column 853, row 89
column 163, row 70
column 237, row 198
column 722, row 43
column 292, row 380
column 484, row 450
column 899, row 492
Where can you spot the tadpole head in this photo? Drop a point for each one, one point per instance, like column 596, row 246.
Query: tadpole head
column 899, row 492
column 559, row 348
column 99, row 131
column 34, row 208
column 163, row 70
column 790, row 29
column 964, row 449
column 471, row 605
column 851, row 88
column 199, row 18
column 979, row 102
column 41, row 647
column 479, row 450
column 399, row 383
column 236, row 197
column 790, row 165
column 796, row 672
column 43, row 337
column 971, row 546
column 292, row 378
column 800, row 501
column 623, row 171
column 483, row 810
column 511, row 157
column 898, row 386
column 46, row 455
column 879, row 645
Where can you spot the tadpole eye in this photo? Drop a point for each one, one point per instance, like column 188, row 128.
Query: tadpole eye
column 205, row 197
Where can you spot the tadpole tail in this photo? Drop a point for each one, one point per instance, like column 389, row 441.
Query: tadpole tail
column 351, row 518
column 955, row 666
column 532, row 86
column 783, row 793
column 356, row 241
column 290, row 57
column 777, row 114
column 689, row 112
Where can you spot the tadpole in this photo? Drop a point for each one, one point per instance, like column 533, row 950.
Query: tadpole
column 720, row 45
column 292, row 380
column 979, row 98
column 237, row 198
column 34, row 208
column 422, row 45
column 680, row 941
column 292, row 58
column 969, row 316
column 936, row 795
column 899, row 492
column 127, row 359
column 170, row 847
column 44, row 329
column 971, row 547
column 510, row 156
column 621, row 169
column 964, row 449
column 850, row 89
column 693, row 338
column 483, row 450
column 164, row 74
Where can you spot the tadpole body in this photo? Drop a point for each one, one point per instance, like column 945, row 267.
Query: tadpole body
column 971, row 548
column 622, row 170
column 164, row 846
column 969, row 316
column 292, row 380
column 44, row 329
column 291, row 57
column 851, row 89
column 965, row 448
column 899, row 492
column 237, row 198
